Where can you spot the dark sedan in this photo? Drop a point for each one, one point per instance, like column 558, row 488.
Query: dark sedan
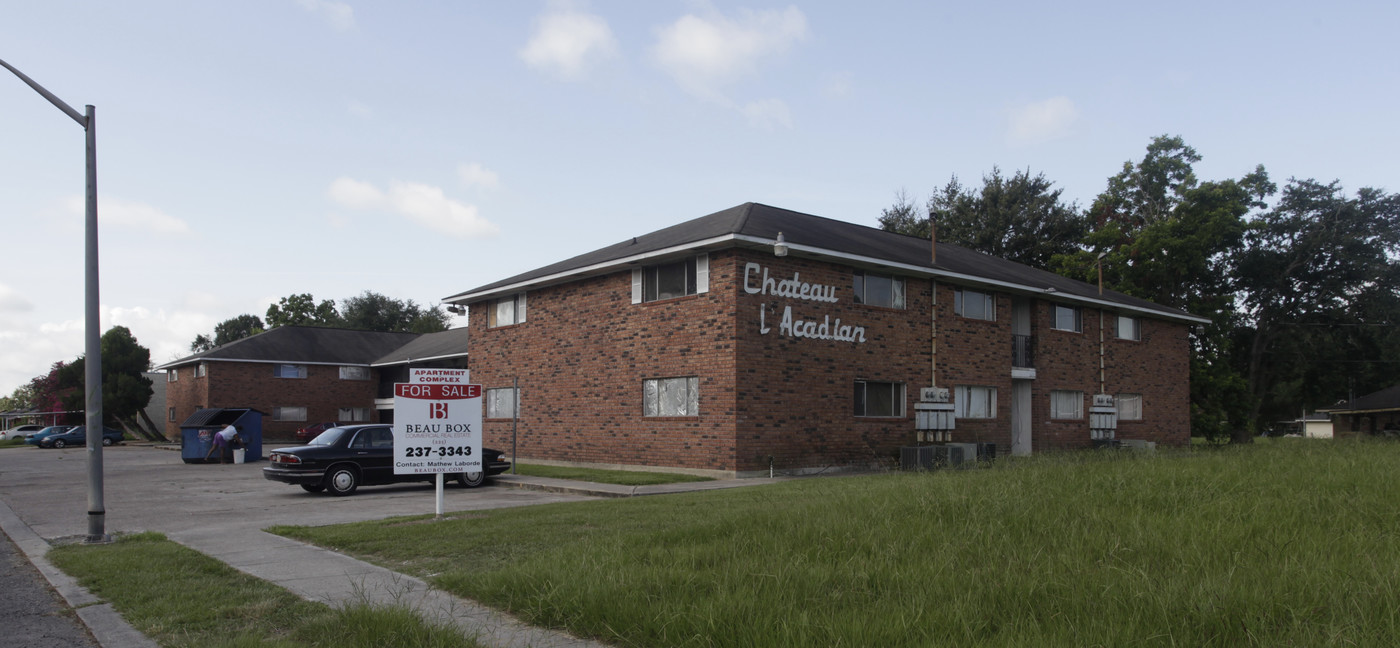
column 344, row 458
column 78, row 436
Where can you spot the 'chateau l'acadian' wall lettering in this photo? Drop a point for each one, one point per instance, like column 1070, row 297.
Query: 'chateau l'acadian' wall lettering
column 795, row 288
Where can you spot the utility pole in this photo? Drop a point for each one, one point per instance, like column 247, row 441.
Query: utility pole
column 97, row 512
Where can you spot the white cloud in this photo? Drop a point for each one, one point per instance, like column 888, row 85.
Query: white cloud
column 355, row 194
column 123, row 213
column 341, row 16
column 768, row 113
column 1041, row 121
column 569, row 42
column 13, row 302
column 704, row 55
column 423, row 204
column 475, row 175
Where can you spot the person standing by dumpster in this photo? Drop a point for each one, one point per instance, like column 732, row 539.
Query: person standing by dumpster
column 223, row 443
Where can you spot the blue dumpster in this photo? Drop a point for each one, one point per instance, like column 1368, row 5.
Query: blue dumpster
column 197, row 433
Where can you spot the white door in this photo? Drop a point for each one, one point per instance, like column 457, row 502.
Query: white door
column 1020, row 418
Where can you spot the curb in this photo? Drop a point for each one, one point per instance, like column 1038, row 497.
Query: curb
column 102, row 621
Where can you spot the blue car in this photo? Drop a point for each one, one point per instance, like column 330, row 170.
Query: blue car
column 78, row 436
column 35, row 437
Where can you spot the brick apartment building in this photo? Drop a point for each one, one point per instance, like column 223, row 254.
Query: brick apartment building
column 300, row 375
column 708, row 346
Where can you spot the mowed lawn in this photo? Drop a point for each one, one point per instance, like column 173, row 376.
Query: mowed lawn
column 1281, row 544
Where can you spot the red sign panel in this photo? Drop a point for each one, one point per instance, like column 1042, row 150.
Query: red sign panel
column 436, row 392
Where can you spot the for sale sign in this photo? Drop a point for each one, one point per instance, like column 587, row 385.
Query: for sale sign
column 437, row 428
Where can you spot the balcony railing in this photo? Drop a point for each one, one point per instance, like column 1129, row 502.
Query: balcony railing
column 1022, row 351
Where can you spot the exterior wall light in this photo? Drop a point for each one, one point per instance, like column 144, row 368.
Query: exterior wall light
column 780, row 247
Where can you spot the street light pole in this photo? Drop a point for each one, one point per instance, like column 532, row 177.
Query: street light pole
column 97, row 512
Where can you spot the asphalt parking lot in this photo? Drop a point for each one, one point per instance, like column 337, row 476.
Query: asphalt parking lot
column 150, row 489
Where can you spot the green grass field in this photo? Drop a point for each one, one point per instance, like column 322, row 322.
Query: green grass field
column 182, row 598
column 1282, row 544
column 622, row 477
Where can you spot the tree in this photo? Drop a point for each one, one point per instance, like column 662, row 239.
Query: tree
column 1171, row 239
column 229, row 330
column 302, row 310
column 1318, row 279
column 46, row 393
column 372, row 311
column 125, row 391
column 1020, row 218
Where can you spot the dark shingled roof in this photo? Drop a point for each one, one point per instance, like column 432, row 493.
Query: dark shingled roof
column 755, row 225
column 305, row 344
column 452, row 342
column 1385, row 399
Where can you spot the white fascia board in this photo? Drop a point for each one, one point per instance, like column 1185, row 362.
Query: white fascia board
column 427, row 359
column 981, row 281
column 180, row 363
column 606, row 265
column 823, row 252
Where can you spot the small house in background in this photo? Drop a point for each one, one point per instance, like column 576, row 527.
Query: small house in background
column 1317, row 425
column 1375, row 414
column 303, row 375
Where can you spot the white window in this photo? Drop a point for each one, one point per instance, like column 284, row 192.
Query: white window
column 349, row 372
column 878, row 290
column 1067, row 318
column 172, row 415
column 172, row 375
column 1066, row 404
column 671, row 396
column 289, row 371
column 1128, row 328
column 1129, row 407
column 975, row 304
column 506, row 311
column 881, row 399
column 688, row 276
column 972, row 402
column 201, row 370
column 289, row 413
column 353, row 415
column 502, row 403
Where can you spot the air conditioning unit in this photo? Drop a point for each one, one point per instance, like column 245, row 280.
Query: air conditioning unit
column 1103, row 418
column 934, row 412
column 934, row 395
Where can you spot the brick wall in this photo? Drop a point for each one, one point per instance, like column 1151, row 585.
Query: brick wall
column 253, row 384
column 583, row 353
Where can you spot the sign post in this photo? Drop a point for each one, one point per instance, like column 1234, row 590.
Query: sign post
column 437, row 425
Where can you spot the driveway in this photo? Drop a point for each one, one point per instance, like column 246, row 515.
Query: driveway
column 151, row 489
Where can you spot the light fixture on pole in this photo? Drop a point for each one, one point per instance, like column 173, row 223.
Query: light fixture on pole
column 780, row 247
column 92, row 356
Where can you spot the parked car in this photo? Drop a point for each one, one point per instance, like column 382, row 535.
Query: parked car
column 35, row 438
column 344, row 458
column 306, row 434
column 19, row 432
column 78, row 436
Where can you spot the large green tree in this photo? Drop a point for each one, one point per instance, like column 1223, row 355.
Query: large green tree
column 302, row 310
column 1319, row 281
column 229, row 330
column 372, row 311
column 1020, row 217
column 125, row 391
column 1167, row 237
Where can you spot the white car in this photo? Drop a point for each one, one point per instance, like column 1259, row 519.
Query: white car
column 20, row 432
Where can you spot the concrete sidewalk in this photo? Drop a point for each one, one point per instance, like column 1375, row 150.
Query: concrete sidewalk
column 325, row 576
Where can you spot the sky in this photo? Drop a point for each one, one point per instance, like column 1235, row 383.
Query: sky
column 252, row 150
